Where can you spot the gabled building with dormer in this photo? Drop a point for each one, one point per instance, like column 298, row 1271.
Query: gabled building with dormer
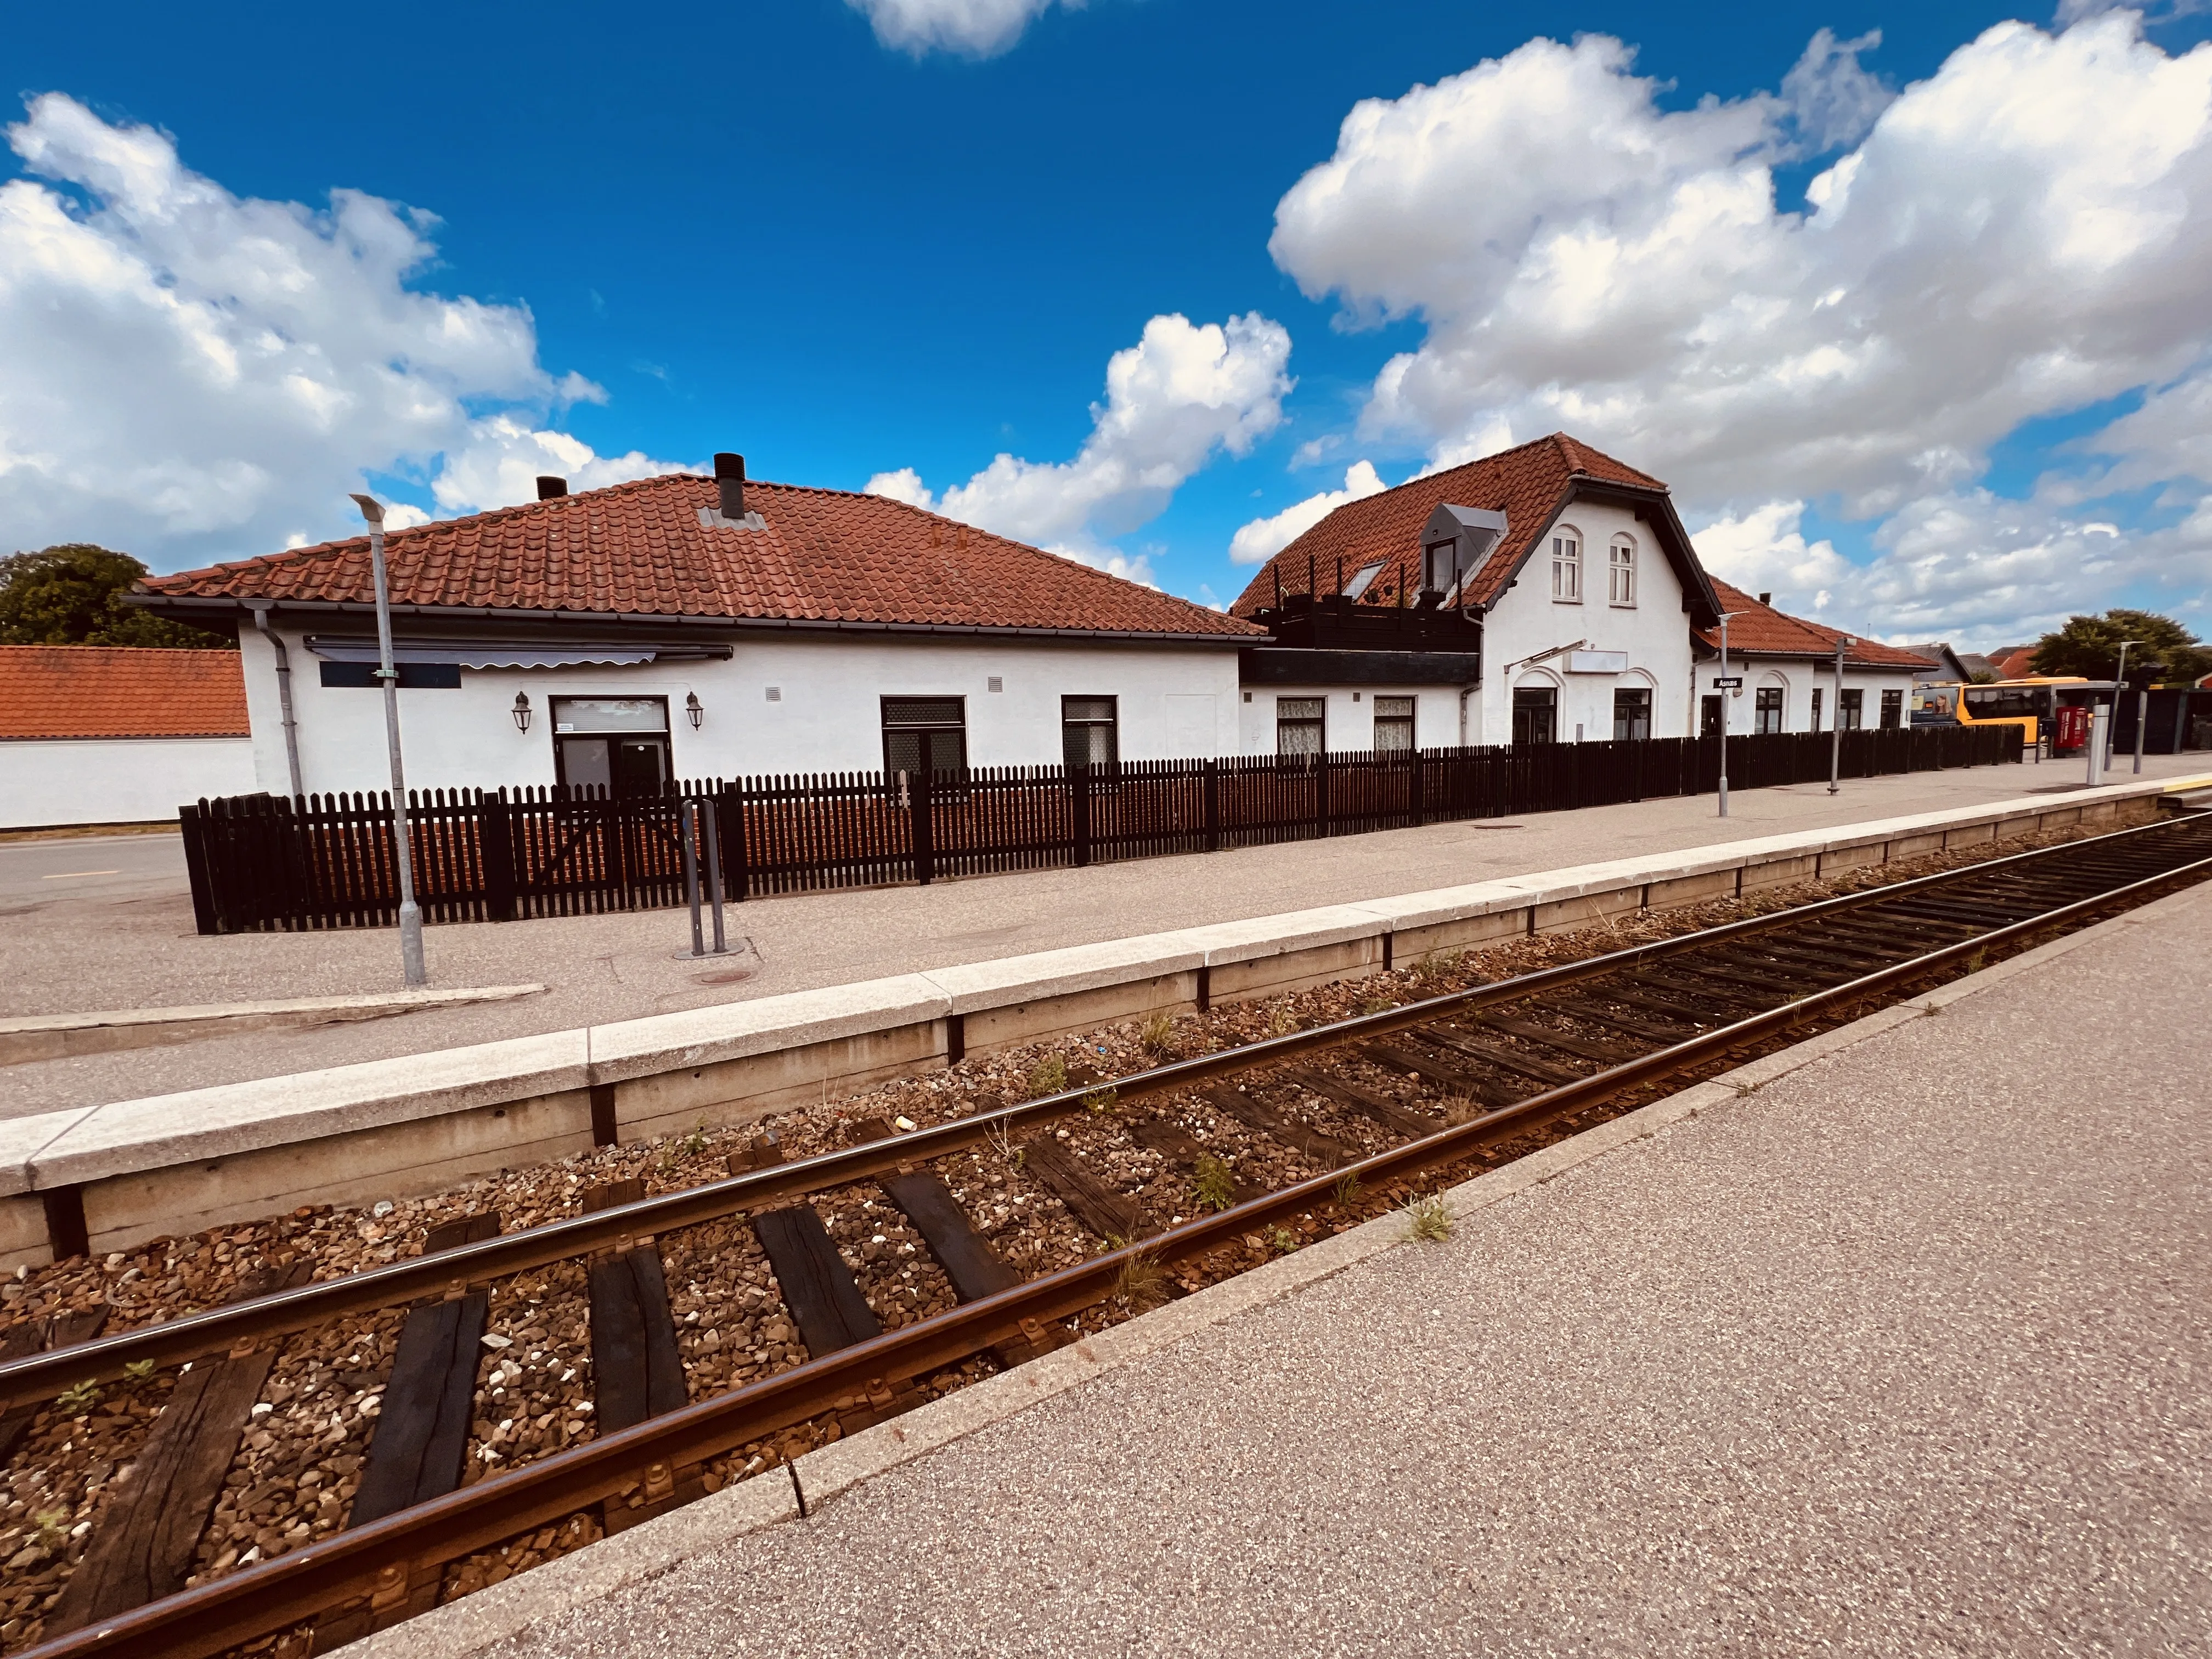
column 1545, row 593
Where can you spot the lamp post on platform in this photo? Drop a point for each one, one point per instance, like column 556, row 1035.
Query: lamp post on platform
column 1723, row 685
column 2113, row 726
column 410, row 917
column 1843, row 642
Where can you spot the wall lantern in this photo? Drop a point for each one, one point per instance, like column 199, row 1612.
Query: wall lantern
column 692, row 711
column 521, row 711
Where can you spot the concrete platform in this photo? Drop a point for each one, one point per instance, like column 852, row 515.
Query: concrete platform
column 107, row 924
column 1904, row 1350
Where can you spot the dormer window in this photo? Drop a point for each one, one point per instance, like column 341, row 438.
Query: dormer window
column 1440, row 570
column 1566, row 567
column 1361, row 582
column 1621, row 572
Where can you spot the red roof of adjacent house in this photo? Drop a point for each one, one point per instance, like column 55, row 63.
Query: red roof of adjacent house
column 640, row 550
column 1528, row 483
column 119, row 691
column 2016, row 663
column 1760, row 630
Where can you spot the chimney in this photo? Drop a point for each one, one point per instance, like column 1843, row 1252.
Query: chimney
column 1766, row 598
column 552, row 489
column 730, row 475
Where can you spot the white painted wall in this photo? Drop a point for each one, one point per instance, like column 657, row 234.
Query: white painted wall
column 1170, row 701
column 1797, row 679
column 1655, row 632
column 1349, row 719
column 117, row 779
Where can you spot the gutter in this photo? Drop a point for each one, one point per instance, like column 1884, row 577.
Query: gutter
column 185, row 605
column 283, row 691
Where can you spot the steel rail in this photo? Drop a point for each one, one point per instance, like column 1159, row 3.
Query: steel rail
column 217, row 1330
column 274, row 1596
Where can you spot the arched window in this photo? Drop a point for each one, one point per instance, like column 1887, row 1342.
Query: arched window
column 1620, row 575
column 1567, row 566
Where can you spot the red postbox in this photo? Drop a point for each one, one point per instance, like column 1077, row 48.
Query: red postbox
column 2071, row 729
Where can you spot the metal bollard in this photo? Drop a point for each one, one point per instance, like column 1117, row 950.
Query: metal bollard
column 714, row 874
column 2098, row 720
column 690, row 820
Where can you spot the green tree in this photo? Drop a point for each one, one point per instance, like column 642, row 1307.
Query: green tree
column 2090, row 646
column 73, row 595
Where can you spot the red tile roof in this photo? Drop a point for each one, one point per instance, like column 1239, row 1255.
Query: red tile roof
column 119, row 691
column 1529, row 483
column 2016, row 663
column 639, row 549
column 1760, row 630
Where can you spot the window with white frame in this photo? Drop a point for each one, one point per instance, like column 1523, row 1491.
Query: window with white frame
column 1621, row 572
column 1566, row 567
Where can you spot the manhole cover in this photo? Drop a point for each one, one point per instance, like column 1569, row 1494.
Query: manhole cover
column 725, row 976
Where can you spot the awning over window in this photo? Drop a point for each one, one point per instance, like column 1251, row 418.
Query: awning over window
column 500, row 654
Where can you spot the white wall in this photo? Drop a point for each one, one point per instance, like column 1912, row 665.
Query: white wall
column 1655, row 632
column 117, row 779
column 1797, row 679
column 1349, row 719
column 1171, row 702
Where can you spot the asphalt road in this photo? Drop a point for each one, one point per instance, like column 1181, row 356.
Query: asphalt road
column 37, row 874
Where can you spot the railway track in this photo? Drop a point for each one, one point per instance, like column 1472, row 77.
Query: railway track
column 1372, row 1103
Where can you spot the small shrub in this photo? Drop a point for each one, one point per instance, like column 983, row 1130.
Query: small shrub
column 1283, row 1239
column 138, row 1370
column 1001, row 1141
column 1428, row 1217
column 1281, row 1022
column 81, row 1398
column 1048, row 1076
column 1212, row 1183
column 1349, row 1191
column 53, row 1529
column 1460, row 1109
column 1101, row 1100
column 1157, row 1036
column 1431, row 971
column 1376, row 1003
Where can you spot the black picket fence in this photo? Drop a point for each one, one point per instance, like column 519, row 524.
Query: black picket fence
column 261, row 863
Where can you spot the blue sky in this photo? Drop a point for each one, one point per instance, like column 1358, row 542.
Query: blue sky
column 767, row 228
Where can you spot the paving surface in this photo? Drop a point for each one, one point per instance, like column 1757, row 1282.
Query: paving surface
column 1909, row 1353
column 107, row 923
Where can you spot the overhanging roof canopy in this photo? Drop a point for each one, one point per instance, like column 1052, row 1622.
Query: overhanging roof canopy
column 506, row 653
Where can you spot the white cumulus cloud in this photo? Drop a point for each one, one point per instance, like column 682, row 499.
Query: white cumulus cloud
column 1763, row 551
column 188, row 374
column 2025, row 232
column 973, row 29
column 1184, row 392
column 1262, row 539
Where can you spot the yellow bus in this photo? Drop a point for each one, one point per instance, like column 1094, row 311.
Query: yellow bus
column 2027, row 703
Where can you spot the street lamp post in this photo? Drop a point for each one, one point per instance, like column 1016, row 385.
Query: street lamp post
column 2113, row 726
column 410, row 917
column 1843, row 642
column 1726, row 616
